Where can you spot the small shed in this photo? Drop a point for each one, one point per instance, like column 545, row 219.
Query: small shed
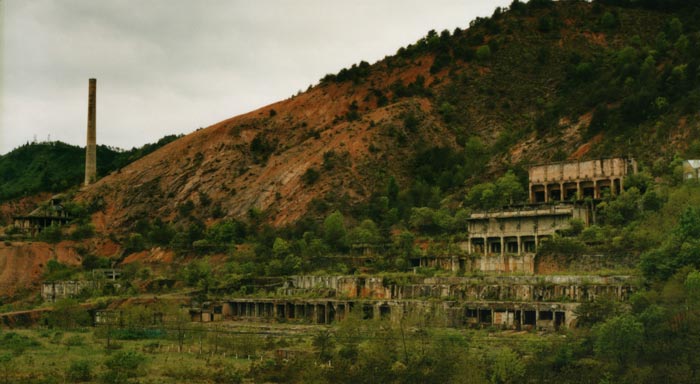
column 691, row 170
column 48, row 214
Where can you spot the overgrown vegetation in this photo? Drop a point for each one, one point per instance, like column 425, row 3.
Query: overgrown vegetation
column 632, row 71
column 56, row 166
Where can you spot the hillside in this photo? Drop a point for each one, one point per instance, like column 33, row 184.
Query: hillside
column 542, row 81
column 56, row 166
column 377, row 227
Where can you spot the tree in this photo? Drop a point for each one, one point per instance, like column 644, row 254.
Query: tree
column 594, row 312
column 51, row 234
column 79, row 371
column 608, row 21
column 7, row 367
column 475, row 156
column 619, row 339
column 334, row 232
column 280, row 248
column 506, row 366
column 310, row 176
column 509, row 189
column 198, row 274
column 692, row 286
column 324, row 344
column 365, row 233
column 68, row 313
column 483, row 53
column 122, row 367
column 392, row 191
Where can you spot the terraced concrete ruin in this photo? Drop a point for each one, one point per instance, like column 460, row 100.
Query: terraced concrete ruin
column 502, row 241
column 506, row 239
column 508, row 302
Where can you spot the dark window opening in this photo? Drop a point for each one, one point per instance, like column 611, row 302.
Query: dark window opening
column 546, row 315
column 529, row 317
column 485, row 316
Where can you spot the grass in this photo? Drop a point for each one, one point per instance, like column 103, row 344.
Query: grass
column 49, row 354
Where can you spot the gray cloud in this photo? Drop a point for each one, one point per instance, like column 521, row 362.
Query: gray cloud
column 166, row 66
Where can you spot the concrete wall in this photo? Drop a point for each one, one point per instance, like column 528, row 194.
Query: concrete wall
column 525, row 288
column 578, row 180
column 57, row 290
column 505, row 315
column 579, row 170
column 507, row 240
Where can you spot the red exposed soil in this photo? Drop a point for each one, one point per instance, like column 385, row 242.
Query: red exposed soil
column 21, row 206
column 22, row 264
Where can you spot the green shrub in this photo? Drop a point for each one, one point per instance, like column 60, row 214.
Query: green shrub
column 51, row 234
column 122, row 367
column 74, row 341
column 79, row 371
column 83, row 231
column 483, row 53
column 311, row 176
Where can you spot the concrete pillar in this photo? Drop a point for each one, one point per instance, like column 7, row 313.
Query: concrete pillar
column 613, row 190
column 520, row 245
column 503, row 246
column 562, row 192
column 596, row 192
column 532, row 194
column 91, row 147
column 486, row 246
column 579, row 192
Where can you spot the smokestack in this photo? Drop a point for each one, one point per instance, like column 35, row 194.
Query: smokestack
column 91, row 147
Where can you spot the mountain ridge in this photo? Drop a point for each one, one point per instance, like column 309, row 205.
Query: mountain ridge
column 520, row 87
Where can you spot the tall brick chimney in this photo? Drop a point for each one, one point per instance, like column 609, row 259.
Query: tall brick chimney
column 91, row 147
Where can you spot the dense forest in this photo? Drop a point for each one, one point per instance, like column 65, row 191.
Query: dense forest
column 56, row 166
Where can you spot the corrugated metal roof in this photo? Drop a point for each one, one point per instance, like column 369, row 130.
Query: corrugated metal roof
column 694, row 163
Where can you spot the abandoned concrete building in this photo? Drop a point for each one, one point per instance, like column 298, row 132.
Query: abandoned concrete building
column 519, row 231
column 576, row 180
column 48, row 214
column 102, row 279
column 507, row 239
column 511, row 302
column 691, row 170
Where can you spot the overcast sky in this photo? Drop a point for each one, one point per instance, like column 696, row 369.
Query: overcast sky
column 172, row 66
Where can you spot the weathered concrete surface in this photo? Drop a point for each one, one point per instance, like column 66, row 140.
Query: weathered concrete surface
column 506, row 315
column 502, row 288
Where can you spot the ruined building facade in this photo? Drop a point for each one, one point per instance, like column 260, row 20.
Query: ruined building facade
column 576, row 180
column 691, row 170
column 508, row 302
column 51, row 213
column 507, row 239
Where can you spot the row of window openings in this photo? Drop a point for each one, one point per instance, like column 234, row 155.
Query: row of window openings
column 529, row 317
column 510, row 247
column 570, row 194
column 502, row 226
